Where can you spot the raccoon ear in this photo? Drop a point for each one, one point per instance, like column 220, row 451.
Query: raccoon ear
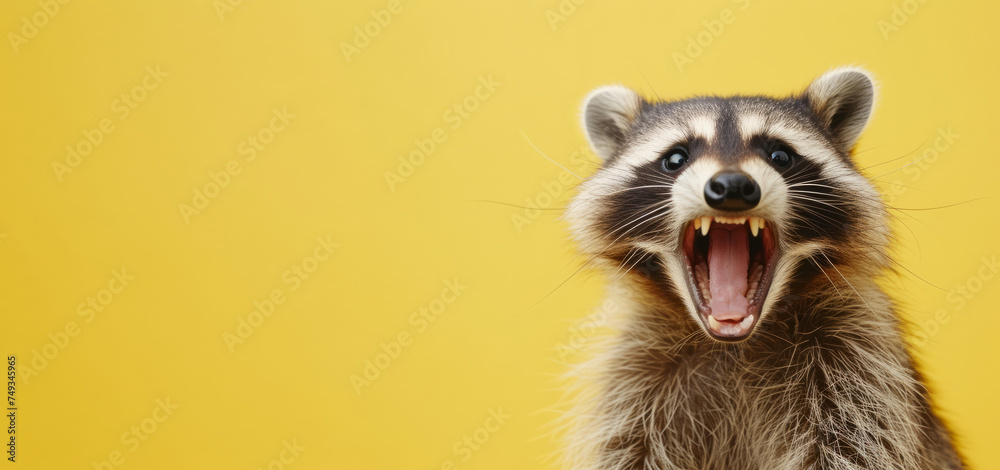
column 608, row 113
column 844, row 99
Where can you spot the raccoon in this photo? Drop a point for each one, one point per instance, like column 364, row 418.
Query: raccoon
column 753, row 334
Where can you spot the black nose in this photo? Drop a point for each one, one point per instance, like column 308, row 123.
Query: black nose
column 732, row 191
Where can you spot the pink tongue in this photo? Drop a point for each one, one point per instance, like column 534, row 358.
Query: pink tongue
column 728, row 260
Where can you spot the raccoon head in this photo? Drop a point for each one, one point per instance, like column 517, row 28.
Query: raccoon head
column 731, row 200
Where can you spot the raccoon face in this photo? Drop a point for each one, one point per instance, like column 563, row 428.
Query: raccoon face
column 731, row 200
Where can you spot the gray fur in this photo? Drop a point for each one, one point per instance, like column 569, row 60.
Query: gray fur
column 608, row 112
column 843, row 100
column 825, row 381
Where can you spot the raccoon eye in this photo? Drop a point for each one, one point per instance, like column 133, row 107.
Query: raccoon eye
column 781, row 158
column 674, row 159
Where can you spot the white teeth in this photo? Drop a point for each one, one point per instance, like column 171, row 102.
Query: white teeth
column 730, row 329
column 704, row 223
column 701, row 280
column 731, row 220
column 754, row 280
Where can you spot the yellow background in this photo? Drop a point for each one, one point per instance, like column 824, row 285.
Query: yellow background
column 493, row 347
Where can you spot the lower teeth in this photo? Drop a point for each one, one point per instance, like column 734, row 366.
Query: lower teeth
column 758, row 271
column 701, row 279
column 728, row 327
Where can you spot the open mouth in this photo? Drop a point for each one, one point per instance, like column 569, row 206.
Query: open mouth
column 730, row 267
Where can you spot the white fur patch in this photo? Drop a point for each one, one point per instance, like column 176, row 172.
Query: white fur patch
column 703, row 126
column 751, row 124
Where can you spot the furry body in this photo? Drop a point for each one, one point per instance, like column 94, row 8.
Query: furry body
column 822, row 378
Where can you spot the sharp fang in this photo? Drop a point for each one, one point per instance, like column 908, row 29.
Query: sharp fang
column 753, row 226
column 745, row 324
column 761, row 221
column 713, row 323
column 697, row 223
column 706, row 222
